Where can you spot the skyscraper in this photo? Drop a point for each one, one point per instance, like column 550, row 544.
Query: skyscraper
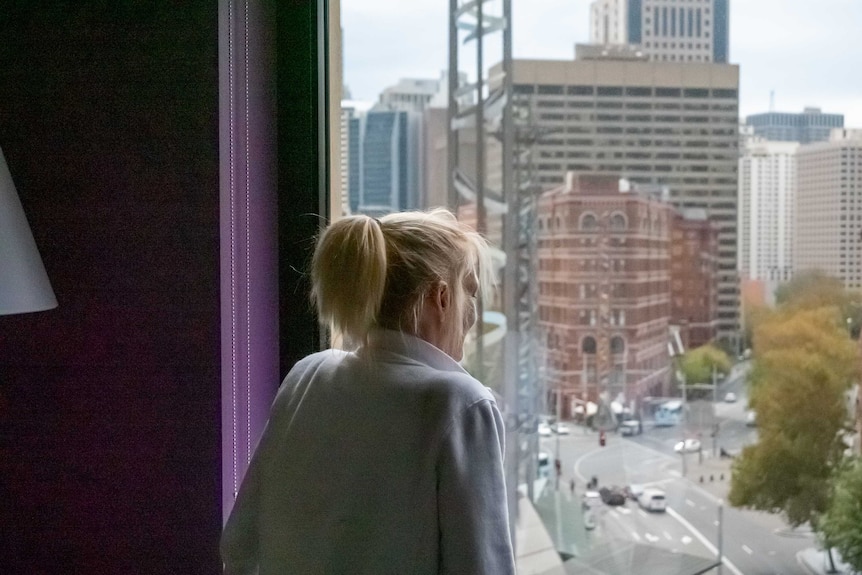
column 665, row 30
column 767, row 207
column 829, row 207
column 810, row 126
column 385, row 165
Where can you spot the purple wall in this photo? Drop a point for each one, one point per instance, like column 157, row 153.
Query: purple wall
column 110, row 438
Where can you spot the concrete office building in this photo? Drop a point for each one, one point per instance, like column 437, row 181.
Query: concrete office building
column 829, row 207
column 665, row 30
column 410, row 94
column 659, row 123
column 811, row 125
column 604, row 289
column 767, row 209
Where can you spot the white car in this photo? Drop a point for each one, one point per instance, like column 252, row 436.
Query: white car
column 750, row 418
column 544, row 430
column 730, row 397
column 687, row 446
column 560, row 429
column 591, row 500
column 652, row 499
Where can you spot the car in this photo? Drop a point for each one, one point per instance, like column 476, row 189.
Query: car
column 591, row 499
column 560, row 429
column 730, row 397
column 630, row 427
column 543, row 460
column 634, row 491
column 652, row 499
column 687, row 446
column 612, row 496
column 544, row 430
column 750, row 418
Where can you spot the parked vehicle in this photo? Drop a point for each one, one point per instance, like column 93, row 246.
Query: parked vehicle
column 544, row 430
column 560, row 428
column 653, row 499
column 730, row 397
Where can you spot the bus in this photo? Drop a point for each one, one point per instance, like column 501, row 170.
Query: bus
column 668, row 413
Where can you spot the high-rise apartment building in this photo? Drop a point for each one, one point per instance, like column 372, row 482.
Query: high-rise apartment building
column 694, row 276
column 811, row 125
column 660, row 123
column 604, row 289
column 767, row 208
column 665, row 30
column 829, row 207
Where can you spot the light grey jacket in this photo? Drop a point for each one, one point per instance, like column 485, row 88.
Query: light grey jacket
column 384, row 461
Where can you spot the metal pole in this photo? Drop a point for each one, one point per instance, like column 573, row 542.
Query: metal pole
column 683, row 418
column 510, row 300
column 559, row 418
column 452, row 135
column 481, row 218
column 720, row 532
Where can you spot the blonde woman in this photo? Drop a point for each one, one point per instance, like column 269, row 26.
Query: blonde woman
column 387, row 459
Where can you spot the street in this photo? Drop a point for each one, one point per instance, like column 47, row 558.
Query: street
column 753, row 543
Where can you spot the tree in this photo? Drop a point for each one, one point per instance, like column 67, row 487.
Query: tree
column 812, row 288
column 698, row 363
column 841, row 525
column 804, row 363
column 697, row 367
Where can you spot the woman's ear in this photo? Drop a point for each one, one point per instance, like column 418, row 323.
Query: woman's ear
column 441, row 298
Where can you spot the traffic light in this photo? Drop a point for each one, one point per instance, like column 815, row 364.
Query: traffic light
column 602, row 438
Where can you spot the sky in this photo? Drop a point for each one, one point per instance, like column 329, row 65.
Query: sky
column 806, row 52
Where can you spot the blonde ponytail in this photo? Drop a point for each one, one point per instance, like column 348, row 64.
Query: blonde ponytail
column 348, row 276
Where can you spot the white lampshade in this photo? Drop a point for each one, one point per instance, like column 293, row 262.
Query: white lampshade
column 24, row 285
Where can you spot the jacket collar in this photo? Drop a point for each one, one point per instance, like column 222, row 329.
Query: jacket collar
column 387, row 341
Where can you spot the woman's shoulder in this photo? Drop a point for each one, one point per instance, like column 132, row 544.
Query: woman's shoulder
column 460, row 388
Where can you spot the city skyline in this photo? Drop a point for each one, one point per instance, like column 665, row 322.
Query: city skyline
column 801, row 51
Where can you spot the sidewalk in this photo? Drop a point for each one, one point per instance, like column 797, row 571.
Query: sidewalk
column 816, row 562
column 536, row 552
column 713, row 475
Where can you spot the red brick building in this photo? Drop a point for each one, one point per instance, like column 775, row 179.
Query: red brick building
column 694, row 277
column 604, row 289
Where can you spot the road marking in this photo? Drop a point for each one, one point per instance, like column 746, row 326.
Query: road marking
column 624, row 510
column 747, row 549
column 650, row 537
column 667, row 536
column 642, row 512
column 725, row 561
column 689, row 502
column 685, row 539
column 636, row 536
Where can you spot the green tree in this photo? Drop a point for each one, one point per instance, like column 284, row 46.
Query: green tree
column 841, row 525
column 698, row 363
column 804, row 362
